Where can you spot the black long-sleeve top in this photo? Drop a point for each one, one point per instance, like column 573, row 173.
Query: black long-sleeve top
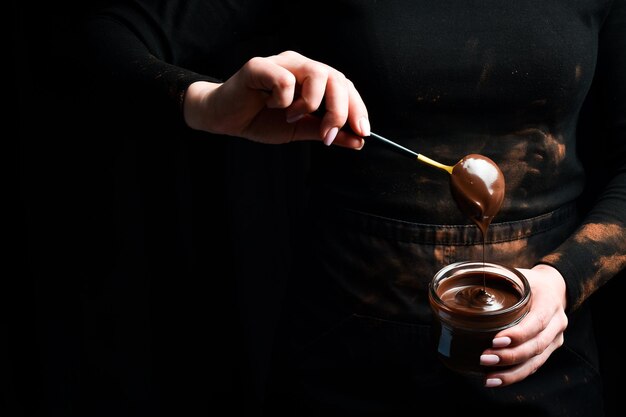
column 448, row 78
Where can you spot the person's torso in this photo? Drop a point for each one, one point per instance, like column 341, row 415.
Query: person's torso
column 450, row 78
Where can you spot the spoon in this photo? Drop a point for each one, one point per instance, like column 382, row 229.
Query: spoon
column 476, row 182
column 407, row 152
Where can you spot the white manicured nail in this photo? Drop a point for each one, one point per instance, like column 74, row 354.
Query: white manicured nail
column 493, row 382
column 364, row 125
column 500, row 342
column 330, row 136
column 489, row 359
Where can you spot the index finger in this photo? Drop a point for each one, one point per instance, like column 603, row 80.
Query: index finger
column 342, row 101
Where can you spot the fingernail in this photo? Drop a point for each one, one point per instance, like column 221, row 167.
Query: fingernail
column 294, row 117
column 493, row 382
column 330, row 136
column 489, row 359
column 361, row 147
column 500, row 342
column 364, row 125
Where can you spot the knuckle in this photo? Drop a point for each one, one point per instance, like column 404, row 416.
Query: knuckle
column 290, row 54
column 534, row 369
column 560, row 340
column 254, row 63
column 510, row 357
column 285, row 81
column 543, row 321
column 537, row 363
column 314, row 70
column 338, row 76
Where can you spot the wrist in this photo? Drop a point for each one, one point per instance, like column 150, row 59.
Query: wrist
column 196, row 105
column 553, row 274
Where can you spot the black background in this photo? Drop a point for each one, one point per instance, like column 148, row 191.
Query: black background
column 118, row 302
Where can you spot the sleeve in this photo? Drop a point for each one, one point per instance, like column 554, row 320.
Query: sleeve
column 150, row 51
column 597, row 250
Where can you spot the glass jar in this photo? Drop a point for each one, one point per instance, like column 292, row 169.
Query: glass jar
column 472, row 301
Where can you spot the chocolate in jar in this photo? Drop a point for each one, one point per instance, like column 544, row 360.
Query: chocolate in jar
column 466, row 320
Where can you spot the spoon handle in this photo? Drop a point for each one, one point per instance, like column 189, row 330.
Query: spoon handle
column 409, row 153
column 394, row 146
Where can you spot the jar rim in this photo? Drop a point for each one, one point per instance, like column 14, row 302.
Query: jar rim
column 491, row 267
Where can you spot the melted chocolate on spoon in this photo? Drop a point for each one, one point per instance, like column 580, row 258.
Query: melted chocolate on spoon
column 477, row 185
